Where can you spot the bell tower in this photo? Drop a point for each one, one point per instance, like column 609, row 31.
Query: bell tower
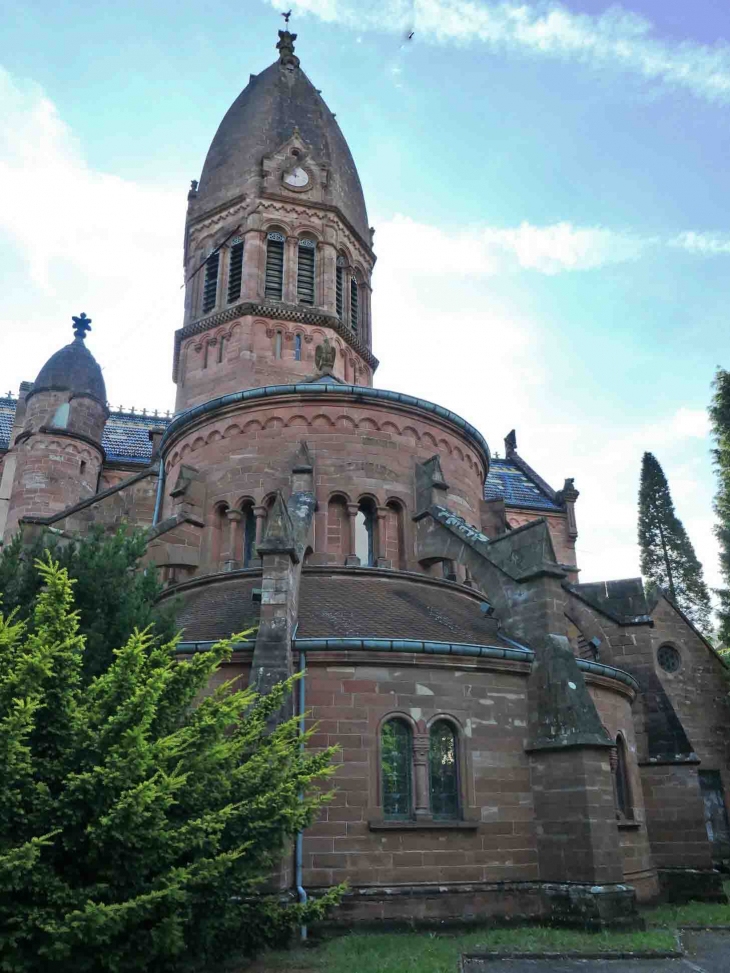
column 278, row 251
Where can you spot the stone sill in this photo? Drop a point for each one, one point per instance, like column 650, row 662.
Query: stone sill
column 427, row 824
column 628, row 825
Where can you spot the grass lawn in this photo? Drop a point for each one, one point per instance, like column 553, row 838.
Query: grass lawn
column 424, row 952
column 691, row 914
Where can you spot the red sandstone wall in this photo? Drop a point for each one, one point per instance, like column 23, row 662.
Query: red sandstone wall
column 615, row 712
column 558, row 524
column 348, row 699
column 359, row 450
column 242, row 354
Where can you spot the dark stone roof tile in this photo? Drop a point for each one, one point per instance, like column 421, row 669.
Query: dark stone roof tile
column 506, row 481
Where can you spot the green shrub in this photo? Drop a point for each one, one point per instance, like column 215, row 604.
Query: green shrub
column 136, row 828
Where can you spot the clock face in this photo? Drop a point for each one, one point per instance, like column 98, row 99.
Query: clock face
column 297, row 178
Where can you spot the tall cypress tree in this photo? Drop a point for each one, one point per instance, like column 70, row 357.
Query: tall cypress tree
column 720, row 421
column 668, row 560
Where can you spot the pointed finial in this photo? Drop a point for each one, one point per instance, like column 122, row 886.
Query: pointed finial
column 82, row 324
column 285, row 46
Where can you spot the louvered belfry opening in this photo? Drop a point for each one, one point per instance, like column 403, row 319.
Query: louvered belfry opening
column 274, row 284
column 235, row 270
column 210, row 286
column 305, row 271
column 340, row 287
column 354, row 304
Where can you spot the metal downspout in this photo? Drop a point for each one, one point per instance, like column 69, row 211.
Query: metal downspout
column 300, row 837
column 158, row 498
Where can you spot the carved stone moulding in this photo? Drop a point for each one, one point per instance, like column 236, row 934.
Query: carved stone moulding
column 277, row 312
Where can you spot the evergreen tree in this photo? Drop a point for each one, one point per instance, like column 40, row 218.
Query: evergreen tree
column 112, row 593
column 668, row 560
column 136, row 828
column 720, row 422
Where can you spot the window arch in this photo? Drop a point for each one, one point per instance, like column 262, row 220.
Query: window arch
column 365, row 528
column 235, row 269
column 623, row 786
column 60, row 416
column 210, row 284
column 306, row 268
column 443, row 765
column 297, row 347
column 396, row 749
column 274, row 282
column 277, row 344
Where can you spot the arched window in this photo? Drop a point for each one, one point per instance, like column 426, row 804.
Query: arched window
column 249, row 535
column 235, row 269
column 277, row 345
column 340, row 286
column 298, row 348
column 365, row 533
column 623, row 787
column 305, row 271
column 274, row 284
column 60, row 417
column 354, row 304
column 210, row 285
column 395, row 768
column 443, row 771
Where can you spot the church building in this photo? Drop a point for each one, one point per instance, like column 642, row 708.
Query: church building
column 512, row 741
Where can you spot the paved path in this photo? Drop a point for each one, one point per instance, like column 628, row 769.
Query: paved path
column 707, row 952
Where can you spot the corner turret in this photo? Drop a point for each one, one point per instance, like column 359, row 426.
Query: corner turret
column 58, row 454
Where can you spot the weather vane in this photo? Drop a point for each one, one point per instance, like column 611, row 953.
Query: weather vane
column 286, row 16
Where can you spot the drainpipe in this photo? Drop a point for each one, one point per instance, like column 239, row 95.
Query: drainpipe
column 300, row 837
column 158, row 498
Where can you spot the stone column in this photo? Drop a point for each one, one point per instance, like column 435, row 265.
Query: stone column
column 234, row 519
column 254, row 265
column 420, row 762
column 260, row 513
column 352, row 560
column 381, row 560
column 325, row 296
column 290, row 270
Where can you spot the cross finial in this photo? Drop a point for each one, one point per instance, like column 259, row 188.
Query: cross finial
column 82, row 324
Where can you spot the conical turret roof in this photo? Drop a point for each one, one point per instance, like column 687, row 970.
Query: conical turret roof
column 73, row 367
column 270, row 108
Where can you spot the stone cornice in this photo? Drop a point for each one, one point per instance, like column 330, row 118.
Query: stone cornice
column 274, row 311
column 324, row 392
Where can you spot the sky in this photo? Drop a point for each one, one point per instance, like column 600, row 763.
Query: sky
column 548, row 183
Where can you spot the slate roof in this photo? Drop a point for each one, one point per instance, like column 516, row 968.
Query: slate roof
column 125, row 438
column 346, row 604
column 508, row 482
column 72, row 367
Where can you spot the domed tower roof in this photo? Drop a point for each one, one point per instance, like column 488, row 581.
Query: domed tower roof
column 270, row 108
column 73, row 367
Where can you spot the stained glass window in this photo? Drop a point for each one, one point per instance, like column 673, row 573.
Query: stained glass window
column 395, row 762
column 444, row 776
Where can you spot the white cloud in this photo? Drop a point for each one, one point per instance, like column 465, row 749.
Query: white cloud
column 704, row 244
column 616, row 38
column 420, row 248
column 89, row 241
